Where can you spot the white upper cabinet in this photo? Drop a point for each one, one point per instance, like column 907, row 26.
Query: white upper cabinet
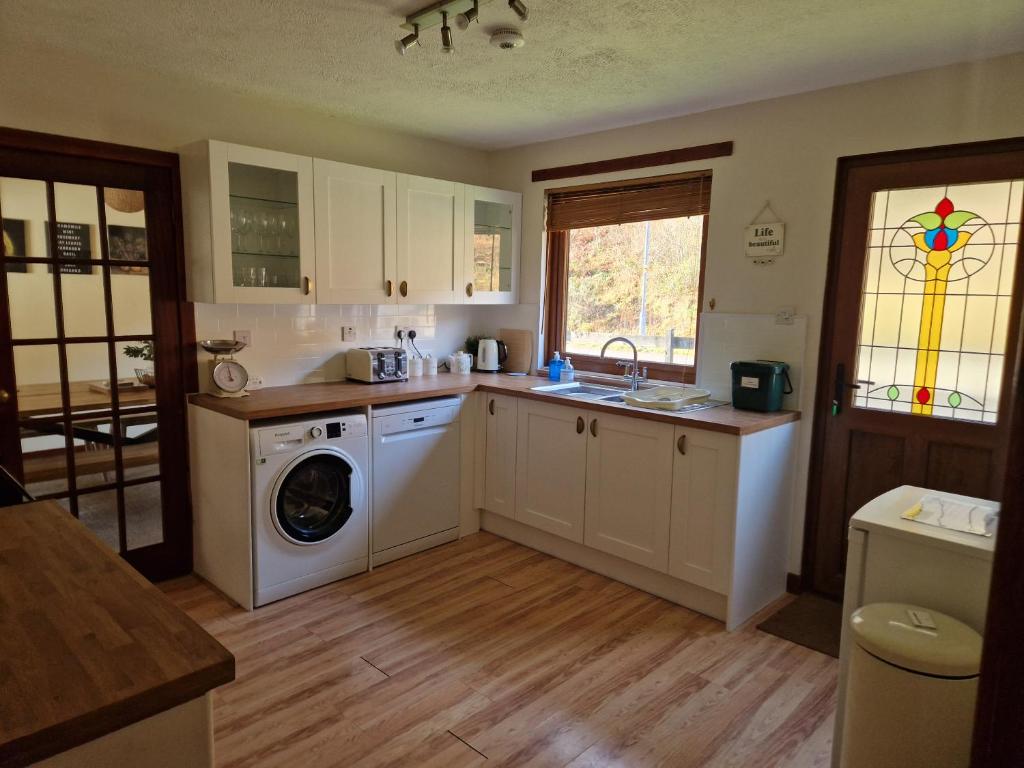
column 704, row 479
column 500, row 456
column 431, row 241
column 491, row 265
column 551, row 468
column 629, row 488
column 356, row 232
column 248, row 224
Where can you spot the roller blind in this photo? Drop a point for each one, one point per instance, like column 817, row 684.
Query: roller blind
column 661, row 197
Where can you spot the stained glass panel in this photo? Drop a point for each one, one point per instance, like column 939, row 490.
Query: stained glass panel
column 935, row 302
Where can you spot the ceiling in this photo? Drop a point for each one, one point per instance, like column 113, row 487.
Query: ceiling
column 587, row 64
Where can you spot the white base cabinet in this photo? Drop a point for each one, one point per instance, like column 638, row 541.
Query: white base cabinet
column 705, row 511
column 500, row 455
column 551, row 468
column 629, row 488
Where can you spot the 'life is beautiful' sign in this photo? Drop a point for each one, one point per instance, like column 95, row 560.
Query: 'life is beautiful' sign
column 763, row 242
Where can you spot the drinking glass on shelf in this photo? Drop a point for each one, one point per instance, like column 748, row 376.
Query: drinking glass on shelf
column 264, row 227
column 261, row 277
column 284, row 230
column 244, row 225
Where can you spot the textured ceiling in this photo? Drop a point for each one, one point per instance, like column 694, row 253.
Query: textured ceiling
column 587, row 64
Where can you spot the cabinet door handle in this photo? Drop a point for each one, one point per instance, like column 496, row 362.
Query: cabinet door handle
column 5, row 396
column 389, row 288
column 469, row 289
column 307, row 285
column 490, row 406
column 580, row 425
column 403, row 288
column 681, row 444
column 593, row 427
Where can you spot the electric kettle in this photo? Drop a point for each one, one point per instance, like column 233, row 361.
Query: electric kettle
column 491, row 353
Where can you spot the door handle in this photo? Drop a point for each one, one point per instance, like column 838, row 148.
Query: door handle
column 490, row 406
column 593, row 427
column 5, row 396
column 389, row 288
column 403, row 288
column 580, row 425
column 307, row 285
column 681, row 444
column 469, row 289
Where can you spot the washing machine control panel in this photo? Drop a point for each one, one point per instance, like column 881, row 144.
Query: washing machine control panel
column 316, row 432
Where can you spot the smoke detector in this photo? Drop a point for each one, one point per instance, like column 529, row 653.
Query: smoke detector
column 507, row 39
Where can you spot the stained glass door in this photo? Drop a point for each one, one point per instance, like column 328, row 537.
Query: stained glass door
column 922, row 317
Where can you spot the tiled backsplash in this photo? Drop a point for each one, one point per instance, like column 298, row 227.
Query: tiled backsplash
column 300, row 344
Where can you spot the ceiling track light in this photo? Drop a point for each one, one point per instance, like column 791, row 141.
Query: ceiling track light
column 520, row 9
column 447, row 44
column 465, row 12
column 467, row 17
column 408, row 41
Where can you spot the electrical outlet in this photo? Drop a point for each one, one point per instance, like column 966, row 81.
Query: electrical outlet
column 348, row 333
column 785, row 315
column 244, row 336
column 255, row 382
column 402, row 333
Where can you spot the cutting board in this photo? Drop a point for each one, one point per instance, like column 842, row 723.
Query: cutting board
column 520, row 350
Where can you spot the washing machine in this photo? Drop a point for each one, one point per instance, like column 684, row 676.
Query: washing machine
column 310, row 518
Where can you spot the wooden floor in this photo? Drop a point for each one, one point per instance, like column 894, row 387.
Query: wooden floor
column 484, row 652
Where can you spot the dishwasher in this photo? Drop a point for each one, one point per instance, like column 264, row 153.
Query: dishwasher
column 415, row 464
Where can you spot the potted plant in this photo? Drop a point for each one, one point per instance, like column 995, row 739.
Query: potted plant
column 143, row 351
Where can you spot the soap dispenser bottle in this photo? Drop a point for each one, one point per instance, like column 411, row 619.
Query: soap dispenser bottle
column 555, row 367
column 568, row 373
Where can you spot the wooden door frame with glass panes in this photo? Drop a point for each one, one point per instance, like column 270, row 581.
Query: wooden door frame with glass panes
column 107, row 304
column 919, row 336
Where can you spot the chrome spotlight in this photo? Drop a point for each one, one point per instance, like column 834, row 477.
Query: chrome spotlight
column 520, row 8
column 409, row 40
column 464, row 19
column 446, row 34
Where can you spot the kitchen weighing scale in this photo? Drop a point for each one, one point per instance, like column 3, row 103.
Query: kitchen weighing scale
column 227, row 376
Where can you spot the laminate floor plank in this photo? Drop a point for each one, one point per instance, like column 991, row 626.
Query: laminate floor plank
column 484, row 652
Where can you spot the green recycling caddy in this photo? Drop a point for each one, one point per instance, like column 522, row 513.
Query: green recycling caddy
column 758, row 385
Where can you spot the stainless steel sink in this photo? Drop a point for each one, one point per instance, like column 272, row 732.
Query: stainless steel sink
column 579, row 389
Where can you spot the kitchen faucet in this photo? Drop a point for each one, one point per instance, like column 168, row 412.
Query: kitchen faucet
column 632, row 369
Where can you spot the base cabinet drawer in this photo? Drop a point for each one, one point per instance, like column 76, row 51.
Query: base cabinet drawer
column 704, row 477
column 551, row 468
column 629, row 484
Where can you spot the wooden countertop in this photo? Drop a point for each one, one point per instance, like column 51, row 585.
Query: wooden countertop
column 275, row 402
column 87, row 645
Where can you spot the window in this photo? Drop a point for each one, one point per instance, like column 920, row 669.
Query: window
column 936, row 300
column 628, row 260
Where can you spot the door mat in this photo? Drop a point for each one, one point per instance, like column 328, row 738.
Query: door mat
column 812, row 621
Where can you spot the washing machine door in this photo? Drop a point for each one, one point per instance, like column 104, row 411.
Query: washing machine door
column 313, row 497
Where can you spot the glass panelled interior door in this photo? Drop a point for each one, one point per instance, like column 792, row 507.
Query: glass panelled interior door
column 94, row 400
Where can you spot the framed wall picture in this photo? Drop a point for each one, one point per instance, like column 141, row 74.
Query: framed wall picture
column 127, row 244
column 14, row 243
column 74, row 244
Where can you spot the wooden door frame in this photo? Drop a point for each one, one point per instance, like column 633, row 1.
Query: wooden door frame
column 823, row 393
column 163, row 168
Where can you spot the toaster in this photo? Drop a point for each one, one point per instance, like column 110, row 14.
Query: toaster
column 375, row 365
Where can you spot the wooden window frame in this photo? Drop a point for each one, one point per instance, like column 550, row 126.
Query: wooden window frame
column 556, row 297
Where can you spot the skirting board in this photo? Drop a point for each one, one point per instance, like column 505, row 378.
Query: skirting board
column 680, row 592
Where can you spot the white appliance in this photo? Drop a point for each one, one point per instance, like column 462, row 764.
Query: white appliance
column 415, row 477
column 491, row 353
column 892, row 560
column 310, row 521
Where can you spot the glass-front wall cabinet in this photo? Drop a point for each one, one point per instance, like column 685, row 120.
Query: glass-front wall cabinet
column 491, row 271
column 249, row 224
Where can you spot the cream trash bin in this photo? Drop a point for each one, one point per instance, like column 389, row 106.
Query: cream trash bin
column 911, row 690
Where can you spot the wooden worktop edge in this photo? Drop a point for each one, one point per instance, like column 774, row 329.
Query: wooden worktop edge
column 61, row 737
column 380, row 394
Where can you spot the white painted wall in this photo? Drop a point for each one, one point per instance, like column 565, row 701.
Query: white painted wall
column 785, row 151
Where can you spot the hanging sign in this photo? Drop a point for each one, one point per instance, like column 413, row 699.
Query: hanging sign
column 764, row 241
